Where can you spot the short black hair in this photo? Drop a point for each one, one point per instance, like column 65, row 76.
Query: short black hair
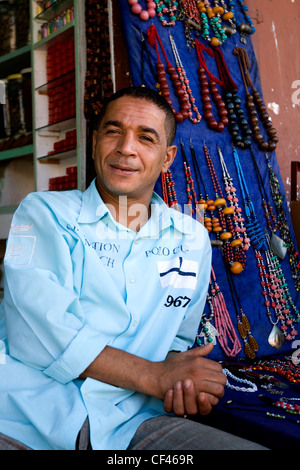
column 151, row 96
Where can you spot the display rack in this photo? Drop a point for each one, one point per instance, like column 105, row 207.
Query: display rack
column 16, row 161
column 53, row 80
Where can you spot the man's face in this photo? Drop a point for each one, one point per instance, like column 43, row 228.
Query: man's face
column 130, row 149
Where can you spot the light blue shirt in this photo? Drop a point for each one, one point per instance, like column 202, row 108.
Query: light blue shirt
column 76, row 281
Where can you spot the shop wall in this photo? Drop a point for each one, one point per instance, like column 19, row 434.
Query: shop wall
column 277, row 47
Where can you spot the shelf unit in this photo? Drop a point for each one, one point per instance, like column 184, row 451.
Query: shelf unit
column 16, row 162
column 49, row 163
column 28, row 168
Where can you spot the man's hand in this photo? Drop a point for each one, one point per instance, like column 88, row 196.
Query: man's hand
column 200, row 391
column 187, row 382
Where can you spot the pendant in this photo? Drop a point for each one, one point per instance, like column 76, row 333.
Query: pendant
column 278, row 246
column 276, row 338
column 209, row 333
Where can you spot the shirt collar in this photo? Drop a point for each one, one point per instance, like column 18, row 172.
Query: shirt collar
column 92, row 207
column 162, row 217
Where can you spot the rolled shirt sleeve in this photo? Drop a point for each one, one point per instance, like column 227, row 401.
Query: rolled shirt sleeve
column 46, row 325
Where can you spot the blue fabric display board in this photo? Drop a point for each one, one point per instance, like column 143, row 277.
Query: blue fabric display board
column 248, row 407
column 239, row 290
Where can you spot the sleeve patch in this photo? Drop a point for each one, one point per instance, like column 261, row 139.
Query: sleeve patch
column 19, row 250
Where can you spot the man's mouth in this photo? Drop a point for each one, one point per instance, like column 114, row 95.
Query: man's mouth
column 122, row 169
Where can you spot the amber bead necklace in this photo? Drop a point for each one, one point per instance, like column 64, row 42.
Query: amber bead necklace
column 211, row 17
column 238, row 219
column 154, row 40
column 208, row 85
column 256, row 107
column 234, row 257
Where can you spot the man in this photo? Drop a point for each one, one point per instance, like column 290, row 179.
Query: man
column 103, row 295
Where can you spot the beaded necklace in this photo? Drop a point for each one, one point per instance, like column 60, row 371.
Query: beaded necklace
column 168, row 190
column 138, row 10
column 240, row 229
column 185, row 83
column 252, row 387
column 211, row 222
column 234, row 257
column 210, row 16
column 208, row 85
column 247, row 27
column 224, row 330
column 154, row 39
column 238, row 124
column 243, row 325
column 254, row 102
column 192, row 196
column 283, row 224
column 189, row 15
column 227, row 15
column 166, row 7
column 286, row 369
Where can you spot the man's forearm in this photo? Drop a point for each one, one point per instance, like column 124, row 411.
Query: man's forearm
column 124, row 370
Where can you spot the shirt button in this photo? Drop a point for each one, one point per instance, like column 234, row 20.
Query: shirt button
column 131, row 280
column 134, row 323
column 136, row 242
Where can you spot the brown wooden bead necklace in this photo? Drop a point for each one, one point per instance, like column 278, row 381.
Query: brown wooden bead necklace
column 154, row 39
column 256, row 107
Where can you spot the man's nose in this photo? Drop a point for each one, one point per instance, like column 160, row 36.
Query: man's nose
column 127, row 144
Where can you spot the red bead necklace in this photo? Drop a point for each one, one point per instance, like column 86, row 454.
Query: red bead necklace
column 168, row 190
column 208, row 85
column 154, row 39
column 185, row 83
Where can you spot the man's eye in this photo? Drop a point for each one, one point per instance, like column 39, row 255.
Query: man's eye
column 147, row 138
column 112, row 131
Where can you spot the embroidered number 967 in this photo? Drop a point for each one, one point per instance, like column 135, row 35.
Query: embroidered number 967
column 178, row 302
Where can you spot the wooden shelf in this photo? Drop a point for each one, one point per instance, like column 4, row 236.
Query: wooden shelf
column 56, row 36
column 55, row 9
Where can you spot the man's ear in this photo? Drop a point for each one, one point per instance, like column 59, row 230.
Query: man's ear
column 95, row 133
column 169, row 158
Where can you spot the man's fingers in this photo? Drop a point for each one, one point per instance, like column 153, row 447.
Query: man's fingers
column 168, row 401
column 204, row 404
column 190, row 399
column 178, row 401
